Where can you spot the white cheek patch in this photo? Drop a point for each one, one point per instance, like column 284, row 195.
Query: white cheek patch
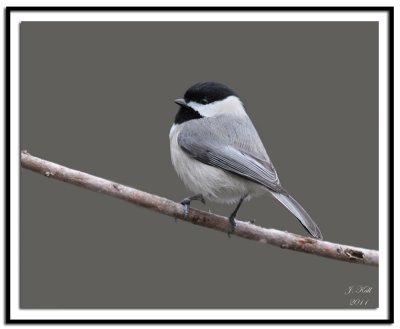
column 208, row 110
column 230, row 105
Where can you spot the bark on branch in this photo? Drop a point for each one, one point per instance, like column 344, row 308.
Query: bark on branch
column 175, row 210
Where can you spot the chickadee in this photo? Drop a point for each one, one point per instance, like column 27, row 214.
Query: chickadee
column 218, row 154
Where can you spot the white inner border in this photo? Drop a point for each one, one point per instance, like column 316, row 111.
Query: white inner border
column 380, row 313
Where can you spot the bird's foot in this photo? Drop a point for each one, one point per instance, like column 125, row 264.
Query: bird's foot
column 233, row 216
column 186, row 204
column 233, row 225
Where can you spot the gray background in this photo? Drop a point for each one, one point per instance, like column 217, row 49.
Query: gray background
column 98, row 97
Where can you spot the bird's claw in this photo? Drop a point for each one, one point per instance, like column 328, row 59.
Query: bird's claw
column 233, row 225
column 185, row 211
column 186, row 204
column 185, row 201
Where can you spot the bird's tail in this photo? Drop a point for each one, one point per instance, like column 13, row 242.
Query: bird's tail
column 296, row 209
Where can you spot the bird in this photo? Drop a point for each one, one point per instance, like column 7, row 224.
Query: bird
column 218, row 154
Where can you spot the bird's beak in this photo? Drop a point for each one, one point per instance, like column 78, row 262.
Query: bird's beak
column 181, row 102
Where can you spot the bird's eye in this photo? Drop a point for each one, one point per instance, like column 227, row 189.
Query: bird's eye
column 204, row 101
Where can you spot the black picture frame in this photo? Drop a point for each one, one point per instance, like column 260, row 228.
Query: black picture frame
column 388, row 10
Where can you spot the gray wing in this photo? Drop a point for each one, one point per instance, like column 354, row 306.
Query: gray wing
column 230, row 145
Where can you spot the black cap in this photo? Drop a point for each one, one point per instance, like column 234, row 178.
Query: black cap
column 207, row 92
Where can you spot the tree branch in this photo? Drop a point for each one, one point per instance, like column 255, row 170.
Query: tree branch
column 175, row 210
